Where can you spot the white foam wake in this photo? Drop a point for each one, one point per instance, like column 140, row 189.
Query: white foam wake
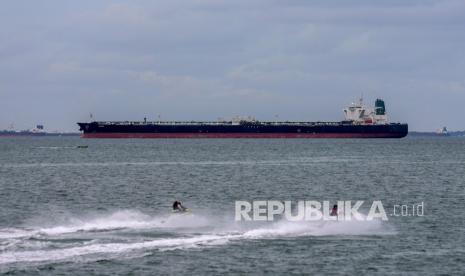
column 320, row 228
column 124, row 219
column 201, row 231
column 109, row 248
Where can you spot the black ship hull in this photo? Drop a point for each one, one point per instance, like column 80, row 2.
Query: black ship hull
column 241, row 130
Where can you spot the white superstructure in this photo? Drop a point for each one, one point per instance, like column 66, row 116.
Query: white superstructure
column 361, row 114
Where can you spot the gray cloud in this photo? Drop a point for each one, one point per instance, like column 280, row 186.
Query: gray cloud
column 303, row 60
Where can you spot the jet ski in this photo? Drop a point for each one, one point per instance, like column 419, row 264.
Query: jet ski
column 183, row 211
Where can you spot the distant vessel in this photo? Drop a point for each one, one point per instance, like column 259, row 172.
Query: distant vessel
column 360, row 122
column 37, row 131
column 442, row 131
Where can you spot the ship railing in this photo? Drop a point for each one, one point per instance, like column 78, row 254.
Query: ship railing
column 225, row 123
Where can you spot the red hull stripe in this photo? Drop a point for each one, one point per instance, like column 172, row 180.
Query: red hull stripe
column 242, row 135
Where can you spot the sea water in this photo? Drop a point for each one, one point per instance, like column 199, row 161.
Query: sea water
column 106, row 209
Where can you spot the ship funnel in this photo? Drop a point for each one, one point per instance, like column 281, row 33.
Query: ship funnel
column 380, row 109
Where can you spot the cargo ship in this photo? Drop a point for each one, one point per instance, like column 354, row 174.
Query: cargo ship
column 360, row 122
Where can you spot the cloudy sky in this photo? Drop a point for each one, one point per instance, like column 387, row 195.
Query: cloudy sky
column 205, row 59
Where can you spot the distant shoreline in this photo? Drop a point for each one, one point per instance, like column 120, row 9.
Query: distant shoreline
column 435, row 134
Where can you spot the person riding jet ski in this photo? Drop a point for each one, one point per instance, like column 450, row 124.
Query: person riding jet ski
column 177, row 207
column 334, row 211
